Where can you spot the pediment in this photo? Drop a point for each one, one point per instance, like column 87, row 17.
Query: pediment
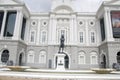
column 63, row 9
column 113, row 2
column 10, row 2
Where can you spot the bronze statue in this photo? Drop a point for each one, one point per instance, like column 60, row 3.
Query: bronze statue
column 62, row 39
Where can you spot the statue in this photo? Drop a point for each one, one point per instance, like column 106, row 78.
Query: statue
column 62, row 39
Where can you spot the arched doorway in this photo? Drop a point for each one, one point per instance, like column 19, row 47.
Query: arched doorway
column 118, row 57
column 5, row 56
column 20, row 59
column 66, row 62
column 103, row 62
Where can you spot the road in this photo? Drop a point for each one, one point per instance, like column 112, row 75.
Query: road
column 48, row 75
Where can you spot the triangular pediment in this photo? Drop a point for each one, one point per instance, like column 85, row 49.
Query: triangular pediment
column 113, row 2
column 10, row 2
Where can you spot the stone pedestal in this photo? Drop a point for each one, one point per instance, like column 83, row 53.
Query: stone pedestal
column 60, row 62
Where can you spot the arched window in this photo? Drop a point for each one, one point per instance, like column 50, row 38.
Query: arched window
column 42, row 57
column 30, row 57
column 93, row 58
column 43, row 37
column 5, row 56
column 81, row 58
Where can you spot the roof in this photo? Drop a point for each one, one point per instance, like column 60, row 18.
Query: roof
column 79, row 5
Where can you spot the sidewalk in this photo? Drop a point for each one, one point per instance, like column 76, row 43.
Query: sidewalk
column 55, row 75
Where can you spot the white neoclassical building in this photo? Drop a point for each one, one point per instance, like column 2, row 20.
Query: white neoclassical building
column 32, row 38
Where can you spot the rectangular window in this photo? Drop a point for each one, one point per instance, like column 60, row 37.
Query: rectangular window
column 81, row 59
column 32, row 38
column 1, row 19
column 93, row 60
column 63, row 32
column 43, row 37
column 92, row 37
column 23, row 29
column 81, row 37
column 115, row 18
column 102, row 26
column 10, row 24
column 30, row 58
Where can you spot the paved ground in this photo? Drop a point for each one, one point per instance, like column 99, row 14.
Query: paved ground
column 55, row 75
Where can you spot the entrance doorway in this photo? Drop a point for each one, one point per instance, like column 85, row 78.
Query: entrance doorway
column 66, row 62
column 118, row 57
column 20, row 59
column 103, row 62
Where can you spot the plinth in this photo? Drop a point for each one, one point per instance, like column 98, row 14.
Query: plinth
column 60, row 62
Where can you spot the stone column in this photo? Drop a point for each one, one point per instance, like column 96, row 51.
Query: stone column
column 27, row 31
column 108, row 26
column 18, row 25
column 3, row 25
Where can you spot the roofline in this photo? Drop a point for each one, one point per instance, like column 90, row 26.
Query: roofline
column 17, row 5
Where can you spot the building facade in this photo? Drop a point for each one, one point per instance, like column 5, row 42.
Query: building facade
column 32, row 38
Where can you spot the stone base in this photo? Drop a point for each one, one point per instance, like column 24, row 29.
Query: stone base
column 60, row 62
column 102, row 71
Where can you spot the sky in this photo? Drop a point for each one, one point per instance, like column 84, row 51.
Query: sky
column 80, row 5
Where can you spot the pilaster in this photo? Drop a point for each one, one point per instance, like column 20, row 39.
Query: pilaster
column 38, row 33
column 71, row 31
column 75, row 29
column 52, row 30
column 86, row 37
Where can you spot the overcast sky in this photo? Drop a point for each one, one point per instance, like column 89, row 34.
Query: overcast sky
column 80, row 5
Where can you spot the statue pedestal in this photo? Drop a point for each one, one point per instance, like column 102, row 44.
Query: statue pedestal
column 60, row 62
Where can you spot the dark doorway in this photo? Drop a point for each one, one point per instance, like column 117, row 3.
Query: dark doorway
column 56, row 61
column 20, row 59
column 103, row 63
column 5, row 56
column 118, row 57
column 66, row 62
column 50, row 63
